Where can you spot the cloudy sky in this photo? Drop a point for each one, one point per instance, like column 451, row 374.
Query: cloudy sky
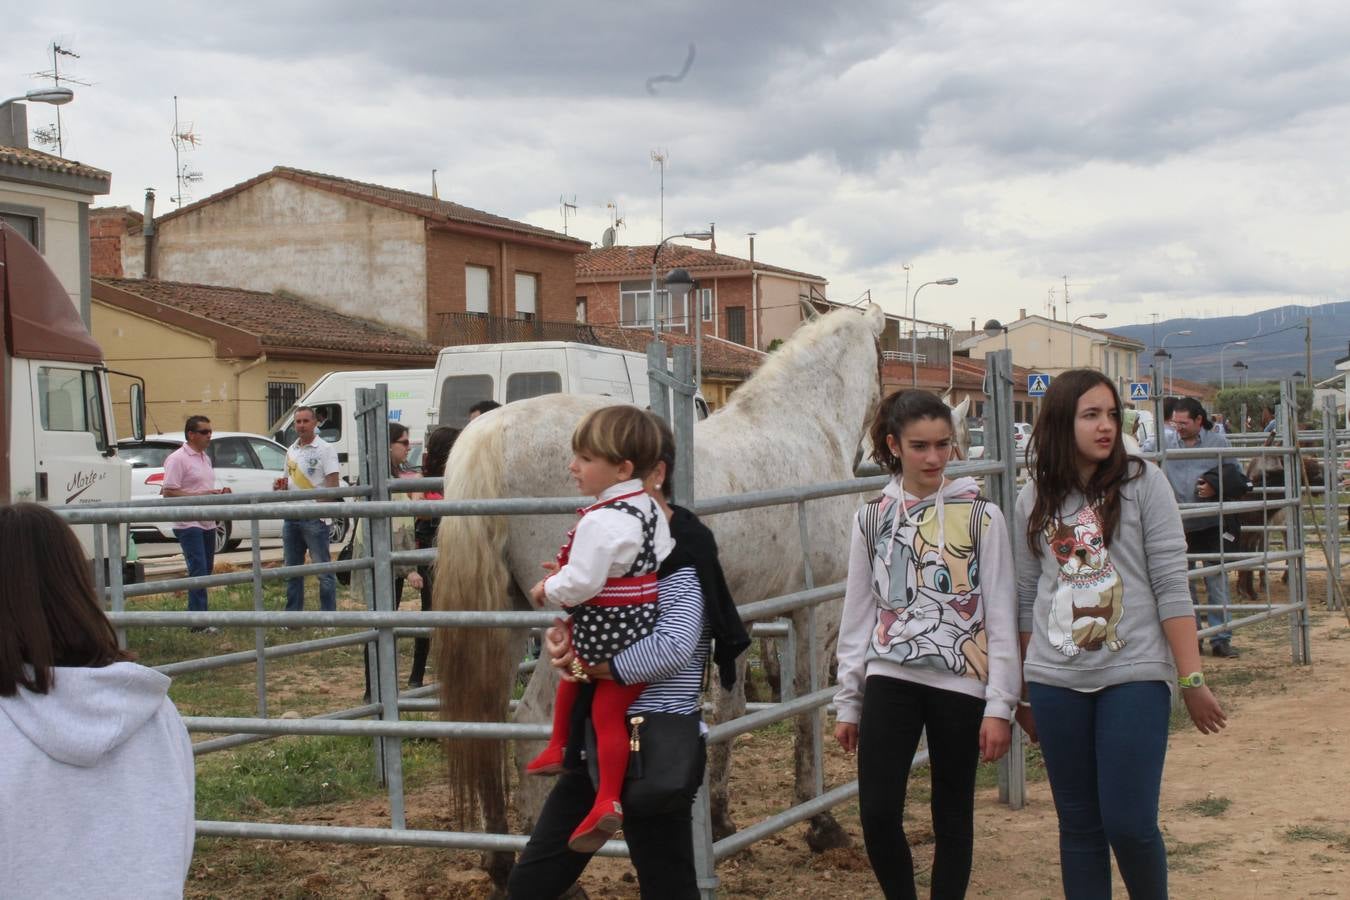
column 1183, row 158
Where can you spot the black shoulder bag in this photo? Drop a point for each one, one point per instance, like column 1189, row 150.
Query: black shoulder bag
column 666, row 756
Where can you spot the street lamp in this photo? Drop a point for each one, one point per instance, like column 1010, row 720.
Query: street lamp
column 679, row 284
column 914, row 330
column 56, row 96
column 1222, row 348
column 1073, row 325
column 1171, row 363
column 691, row 235
column 993, row 327
column 1242, row 372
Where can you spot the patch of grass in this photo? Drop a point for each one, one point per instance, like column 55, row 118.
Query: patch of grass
column 1210, row 806
column 1339, row 840
column 1184, row 856
column 294, row 772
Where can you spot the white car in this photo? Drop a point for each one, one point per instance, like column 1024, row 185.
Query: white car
column 244, row 463
column 976, row 443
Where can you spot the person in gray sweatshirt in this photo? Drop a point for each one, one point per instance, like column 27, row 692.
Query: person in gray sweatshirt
column 1105, row 622
column 927, row 642
column 96, row 771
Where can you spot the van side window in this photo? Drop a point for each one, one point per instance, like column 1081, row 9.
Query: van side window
column 69, row 401
column 458, row 393
column 330, row 421
column 523, row 385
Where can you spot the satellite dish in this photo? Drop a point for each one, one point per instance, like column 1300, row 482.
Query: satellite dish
column 607, row 239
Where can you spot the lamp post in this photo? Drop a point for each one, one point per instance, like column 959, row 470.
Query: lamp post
column 1242, row 373
column 691, row 235
column 1169, row 356
column 1160, row 359
column 993, row 327
column 914, row 329
column 679, row 284
column 1072, row 335
column 1222, row 348
column 56, row 96
column 14, row 121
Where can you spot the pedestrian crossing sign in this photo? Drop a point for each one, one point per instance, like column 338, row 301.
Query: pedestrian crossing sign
column 1037, row 384
column 1138, row 390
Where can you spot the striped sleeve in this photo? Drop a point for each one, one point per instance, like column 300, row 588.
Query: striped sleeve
column 671, row 659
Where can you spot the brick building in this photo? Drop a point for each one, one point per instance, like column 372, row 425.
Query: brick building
column 431, row 268
column 741, row 302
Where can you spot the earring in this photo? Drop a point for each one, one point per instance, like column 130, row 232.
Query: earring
column 658, row 485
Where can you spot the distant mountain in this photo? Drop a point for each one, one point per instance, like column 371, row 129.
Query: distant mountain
column 1274, row 337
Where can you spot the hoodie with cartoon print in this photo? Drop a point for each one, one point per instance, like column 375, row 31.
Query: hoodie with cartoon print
column 930, row 598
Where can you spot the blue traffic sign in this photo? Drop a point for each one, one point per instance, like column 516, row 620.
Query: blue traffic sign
column 1037, row 384
column 1138, row 390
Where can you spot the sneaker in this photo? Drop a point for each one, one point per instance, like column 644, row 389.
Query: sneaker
column 1224, row 650
column 204, row 629
column 598, row 827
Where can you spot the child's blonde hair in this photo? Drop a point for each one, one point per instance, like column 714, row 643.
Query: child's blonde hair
column 619, row 433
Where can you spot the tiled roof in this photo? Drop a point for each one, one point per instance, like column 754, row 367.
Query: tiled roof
column 125, row 212
column 720, row 357
column 408, row 201
column 278, row 320
column 615, row 262
column 36, row 159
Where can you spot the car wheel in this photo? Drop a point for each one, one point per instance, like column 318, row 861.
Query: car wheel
column 224, row 543
column 337, row 531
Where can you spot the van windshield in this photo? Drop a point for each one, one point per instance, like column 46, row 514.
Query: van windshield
column 458, row 393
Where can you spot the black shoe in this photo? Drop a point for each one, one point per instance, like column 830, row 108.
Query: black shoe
column 414, row 683
column 1224, row 650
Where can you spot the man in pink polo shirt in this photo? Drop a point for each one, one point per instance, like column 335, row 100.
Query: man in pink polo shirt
column 188, row 473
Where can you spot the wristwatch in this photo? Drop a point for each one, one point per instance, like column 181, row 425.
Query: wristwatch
column 1193, row 680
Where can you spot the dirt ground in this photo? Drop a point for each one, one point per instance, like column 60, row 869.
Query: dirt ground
column 1261, row 810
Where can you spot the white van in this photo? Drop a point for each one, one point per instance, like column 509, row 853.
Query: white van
column 507, row 372
column 333, row 398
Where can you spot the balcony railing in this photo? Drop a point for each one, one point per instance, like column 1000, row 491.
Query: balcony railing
column 455, row 329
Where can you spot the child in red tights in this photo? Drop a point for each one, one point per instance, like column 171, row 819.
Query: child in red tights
column 605, row 577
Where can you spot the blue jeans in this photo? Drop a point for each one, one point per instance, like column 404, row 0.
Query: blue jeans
column 1208, row 540
column 297, row 536
column 1104, row 755
column 199, row 552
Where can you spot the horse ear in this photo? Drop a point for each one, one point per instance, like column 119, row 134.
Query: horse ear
column 959, row 411
column 876, row 317
column 809, row 311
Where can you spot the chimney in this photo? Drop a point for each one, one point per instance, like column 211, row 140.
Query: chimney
column 14, row 125
column 148, row 231
column 972, row 325
column 712, row 229
column 1022, row 313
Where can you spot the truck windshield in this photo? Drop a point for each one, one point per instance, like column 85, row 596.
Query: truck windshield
column 70, row 401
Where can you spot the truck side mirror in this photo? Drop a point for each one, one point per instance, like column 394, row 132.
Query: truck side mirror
column 137, row 396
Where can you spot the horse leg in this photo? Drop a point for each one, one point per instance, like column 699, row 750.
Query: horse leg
column 727, row 705
column 823, row 831
column 772, row 668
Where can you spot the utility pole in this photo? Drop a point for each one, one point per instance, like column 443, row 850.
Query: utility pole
column 1307, row 348
column 660, row 158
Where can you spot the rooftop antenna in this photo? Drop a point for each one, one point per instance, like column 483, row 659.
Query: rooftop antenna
column 615, row 223
column 660, row 158
column 50, row 137
column 184, row 140
column 568, row 208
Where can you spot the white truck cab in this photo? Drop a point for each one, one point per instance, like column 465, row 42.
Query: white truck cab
column 56, row 425
column 333, row 398
column 517, row 371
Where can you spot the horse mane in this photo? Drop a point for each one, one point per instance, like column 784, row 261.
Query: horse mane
column 787, row 361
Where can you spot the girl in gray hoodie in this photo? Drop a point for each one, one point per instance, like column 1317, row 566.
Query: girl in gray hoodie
column 927, row 641
column 1105, row 622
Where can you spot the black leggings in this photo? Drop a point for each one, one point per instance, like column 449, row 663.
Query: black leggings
column 894, row 712
column 421, row 646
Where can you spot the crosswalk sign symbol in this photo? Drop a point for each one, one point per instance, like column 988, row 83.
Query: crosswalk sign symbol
column 1138, row 390
column 1037, row 384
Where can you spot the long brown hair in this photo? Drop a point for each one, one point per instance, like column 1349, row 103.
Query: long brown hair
column 1055, row 464
column 49, row 613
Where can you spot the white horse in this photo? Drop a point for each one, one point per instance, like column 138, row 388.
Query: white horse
column 798, row 421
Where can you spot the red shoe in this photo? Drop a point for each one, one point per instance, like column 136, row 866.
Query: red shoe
column 550, row 762
column 605, row 819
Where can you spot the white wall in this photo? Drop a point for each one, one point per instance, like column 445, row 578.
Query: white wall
column 61, row 228
column 353, row 257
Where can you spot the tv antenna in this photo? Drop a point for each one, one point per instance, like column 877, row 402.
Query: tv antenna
column 184, row 140
column 53, row 137
column 568, row 208
column 615, row 223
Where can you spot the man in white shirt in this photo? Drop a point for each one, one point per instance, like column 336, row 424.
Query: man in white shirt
column 310, row 463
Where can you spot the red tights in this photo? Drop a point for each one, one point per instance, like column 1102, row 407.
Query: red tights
column 609, row 716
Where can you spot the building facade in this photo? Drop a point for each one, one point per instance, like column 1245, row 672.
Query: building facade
column 1050, row 346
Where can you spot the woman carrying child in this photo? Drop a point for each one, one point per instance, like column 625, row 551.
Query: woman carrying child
column 1106, row 624
column 605, row 577
column 927, row 642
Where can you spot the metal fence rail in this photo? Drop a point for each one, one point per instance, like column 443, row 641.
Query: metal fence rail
column 788, row 619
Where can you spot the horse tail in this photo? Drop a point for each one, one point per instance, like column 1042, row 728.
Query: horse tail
column 474, row 664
